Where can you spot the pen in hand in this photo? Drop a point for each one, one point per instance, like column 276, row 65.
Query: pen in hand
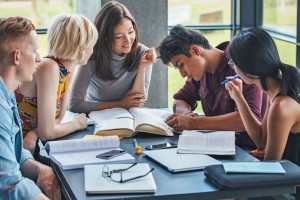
column 231, row 79
column 174, row 108
column 138, row 149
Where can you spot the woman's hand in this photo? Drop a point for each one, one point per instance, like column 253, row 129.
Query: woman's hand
column 148, row 58
column 81, row 120
column 133, row 100
column 235, row 89
column 29, row 141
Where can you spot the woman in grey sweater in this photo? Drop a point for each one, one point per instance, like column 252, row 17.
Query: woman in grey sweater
column 119, row 71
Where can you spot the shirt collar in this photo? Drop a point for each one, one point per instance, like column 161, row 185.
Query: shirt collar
column 9, row 98
column 224, row 59
column 223, row 63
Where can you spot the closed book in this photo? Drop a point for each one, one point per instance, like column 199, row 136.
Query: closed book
column 96, row 183
column 254, row 167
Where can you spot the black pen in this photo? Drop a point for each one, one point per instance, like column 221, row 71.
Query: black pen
column 174, row 108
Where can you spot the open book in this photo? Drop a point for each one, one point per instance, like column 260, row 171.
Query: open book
column 123, row 122
column 207, row 142
column 69, row 116
column 75, row 153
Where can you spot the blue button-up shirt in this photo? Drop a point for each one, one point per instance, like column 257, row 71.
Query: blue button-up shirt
column 12, row 184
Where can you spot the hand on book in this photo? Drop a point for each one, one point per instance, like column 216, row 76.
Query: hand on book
column 81, row 121
column 179, row 122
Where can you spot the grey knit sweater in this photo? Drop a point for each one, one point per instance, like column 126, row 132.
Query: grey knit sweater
column 96, row 90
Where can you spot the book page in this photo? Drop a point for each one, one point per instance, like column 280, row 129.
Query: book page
column 69, row 116
column 146, row 121
column 83, row 144
column 119, row 125
column 216, row 142
column 108, row 114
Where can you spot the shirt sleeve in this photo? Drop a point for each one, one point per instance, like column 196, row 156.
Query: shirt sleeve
column 148, row 74
column 12, row 184
column 254, row 97
column 25, row 155
column 189, row 93
column 77, row 102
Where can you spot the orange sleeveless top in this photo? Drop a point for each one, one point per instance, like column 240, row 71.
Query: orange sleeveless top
column 27, row 106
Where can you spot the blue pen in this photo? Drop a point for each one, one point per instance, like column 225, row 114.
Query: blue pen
column 231, row 79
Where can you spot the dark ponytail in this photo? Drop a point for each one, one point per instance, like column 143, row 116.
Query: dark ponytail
column 255, row 53
column 290, row 82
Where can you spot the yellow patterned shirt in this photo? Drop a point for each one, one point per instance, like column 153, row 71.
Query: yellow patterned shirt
column 27, row 106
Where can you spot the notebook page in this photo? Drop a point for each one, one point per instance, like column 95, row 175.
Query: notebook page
column 83, row 144
column 108, row 114
column 207, row 143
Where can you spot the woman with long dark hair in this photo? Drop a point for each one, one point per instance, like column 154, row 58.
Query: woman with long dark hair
column 256, row 60
column 119, row 71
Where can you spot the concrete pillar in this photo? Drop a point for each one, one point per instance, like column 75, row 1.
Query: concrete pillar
column 152, row 21
column 88, row 8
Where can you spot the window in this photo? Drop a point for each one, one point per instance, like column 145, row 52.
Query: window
column 207, row 16
column 40, row 12
column 280, row 16
column 195, row 12
column 287, row 52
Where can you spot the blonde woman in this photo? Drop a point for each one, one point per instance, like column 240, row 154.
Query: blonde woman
column 42, row 102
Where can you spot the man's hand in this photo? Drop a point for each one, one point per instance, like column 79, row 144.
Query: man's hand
column 40, row 196
column 47, row 182
column 179, row 122
column 191, row 114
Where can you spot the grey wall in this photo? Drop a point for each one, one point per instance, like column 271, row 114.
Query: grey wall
column 88, row 8
column 151, row 17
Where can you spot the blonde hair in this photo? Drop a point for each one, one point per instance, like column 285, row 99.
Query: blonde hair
column 69, row 35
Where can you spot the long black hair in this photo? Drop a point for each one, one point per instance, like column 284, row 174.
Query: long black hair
column 255, row 53
column 106, row 20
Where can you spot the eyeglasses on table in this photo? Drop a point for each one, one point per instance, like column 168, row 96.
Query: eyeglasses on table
column 116, row 175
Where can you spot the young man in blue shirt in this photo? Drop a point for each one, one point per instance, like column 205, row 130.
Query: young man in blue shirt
column 18, row 170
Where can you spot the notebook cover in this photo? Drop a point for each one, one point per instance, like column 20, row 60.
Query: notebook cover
column 95, row 183
column 217, row 175
column 174, row 162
